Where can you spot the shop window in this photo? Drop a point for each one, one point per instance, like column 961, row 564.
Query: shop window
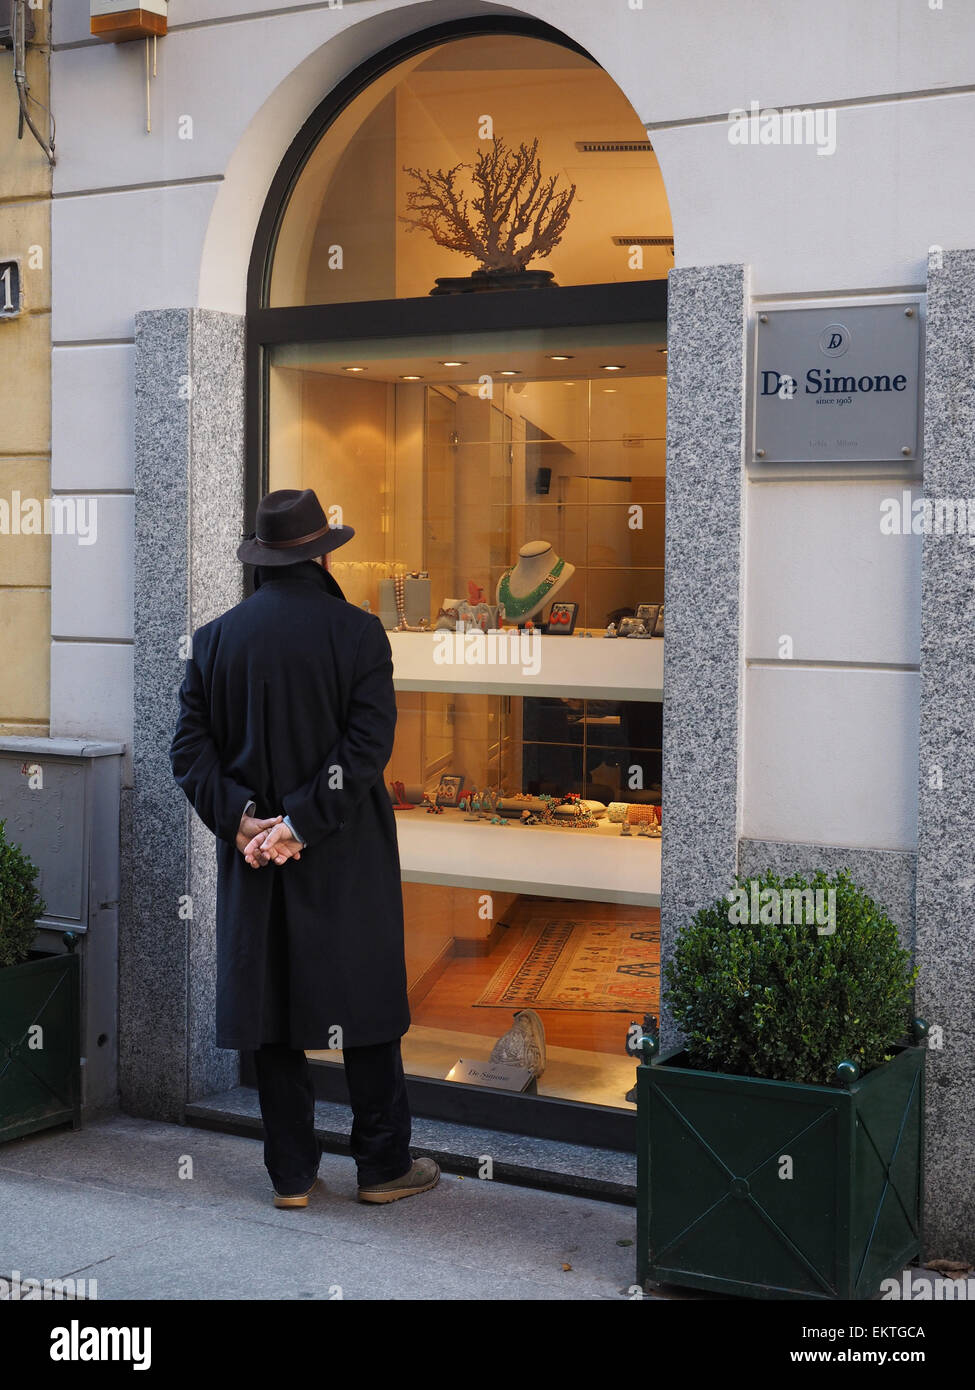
column 456, row 447
column 446, row 472
column 343, row 238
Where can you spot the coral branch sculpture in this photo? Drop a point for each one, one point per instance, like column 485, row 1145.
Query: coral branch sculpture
column 510, row 216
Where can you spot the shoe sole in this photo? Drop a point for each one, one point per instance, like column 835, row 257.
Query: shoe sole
column 300, row 1201
column 377, row 1198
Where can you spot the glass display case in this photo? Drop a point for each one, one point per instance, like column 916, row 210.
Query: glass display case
column 527, row 789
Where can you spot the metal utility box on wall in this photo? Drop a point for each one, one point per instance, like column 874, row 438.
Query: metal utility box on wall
column 60, row 800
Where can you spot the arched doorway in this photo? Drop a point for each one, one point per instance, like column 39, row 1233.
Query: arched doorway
column 462, row 432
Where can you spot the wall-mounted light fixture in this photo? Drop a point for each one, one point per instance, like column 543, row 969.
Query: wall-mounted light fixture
column 119, row 21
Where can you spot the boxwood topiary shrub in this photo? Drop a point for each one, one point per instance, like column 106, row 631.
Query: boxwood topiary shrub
column 789, row 1000
column 20, row 904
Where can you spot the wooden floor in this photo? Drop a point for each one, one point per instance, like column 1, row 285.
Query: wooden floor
column 448, row 1004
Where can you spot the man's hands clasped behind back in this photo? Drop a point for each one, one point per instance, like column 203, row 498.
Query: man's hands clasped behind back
column 266, row 841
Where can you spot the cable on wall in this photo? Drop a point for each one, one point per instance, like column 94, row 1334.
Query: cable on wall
column 18, row 16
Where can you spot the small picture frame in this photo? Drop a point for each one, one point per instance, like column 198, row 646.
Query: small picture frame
column 647, row 613
column 448, row 791
column 562, row 619
column 632, row 627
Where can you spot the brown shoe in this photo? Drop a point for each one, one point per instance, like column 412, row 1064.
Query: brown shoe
column 423, row 1175
column 300, row 1200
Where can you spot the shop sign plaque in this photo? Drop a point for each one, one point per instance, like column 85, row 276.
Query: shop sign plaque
column 498, row 1076
column 837, row 385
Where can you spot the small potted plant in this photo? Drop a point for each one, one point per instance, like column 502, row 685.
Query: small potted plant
column 40, row 1041
column 780, row 1149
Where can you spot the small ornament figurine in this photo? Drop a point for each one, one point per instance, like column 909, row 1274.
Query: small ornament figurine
column 611, row 631
column 625, row 827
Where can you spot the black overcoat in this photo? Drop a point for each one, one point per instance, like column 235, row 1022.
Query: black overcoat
column 288, row 700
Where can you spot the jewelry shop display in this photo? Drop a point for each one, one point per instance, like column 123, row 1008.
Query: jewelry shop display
column 447, row 613
column 497, row 806
column 647, row 613
column 534, row 577
column 562, row 619
column 448, row 792
column 400, row 802
column 419, row 601
column 527, row 603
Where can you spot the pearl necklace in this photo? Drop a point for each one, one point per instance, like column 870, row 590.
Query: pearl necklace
column 399, row 589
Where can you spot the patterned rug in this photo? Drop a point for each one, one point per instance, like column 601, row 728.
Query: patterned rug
column 611, row 967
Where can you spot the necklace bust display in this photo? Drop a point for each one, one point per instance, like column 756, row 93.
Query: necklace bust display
column 538, row 574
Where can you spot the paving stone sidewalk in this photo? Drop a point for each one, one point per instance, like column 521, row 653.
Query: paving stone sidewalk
column 107, row 1202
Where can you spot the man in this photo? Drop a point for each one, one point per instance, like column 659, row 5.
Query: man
column 287, row 715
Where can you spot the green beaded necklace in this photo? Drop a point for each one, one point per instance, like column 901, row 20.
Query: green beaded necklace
column 515, row 607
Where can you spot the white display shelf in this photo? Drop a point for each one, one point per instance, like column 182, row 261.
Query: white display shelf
column 598, row 865
column 598, row 668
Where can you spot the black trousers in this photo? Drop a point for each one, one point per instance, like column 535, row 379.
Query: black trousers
column 380, row 1138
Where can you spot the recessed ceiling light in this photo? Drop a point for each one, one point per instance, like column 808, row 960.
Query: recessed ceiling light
column 509, row 373
column 353, row 369
column 411, row 378
column 560, row 357
column 453, row 364
column 663, row 351
column 611, row 367
column 610, row 391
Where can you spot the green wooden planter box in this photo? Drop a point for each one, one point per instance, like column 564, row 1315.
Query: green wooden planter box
column 39, row 1086
column 714, row 1213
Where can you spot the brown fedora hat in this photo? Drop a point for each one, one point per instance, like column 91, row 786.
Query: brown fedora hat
column 291, row 526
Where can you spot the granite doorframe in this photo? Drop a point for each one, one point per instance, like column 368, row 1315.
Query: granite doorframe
column 945, row 903
column 707, row 335
column 189, row 504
